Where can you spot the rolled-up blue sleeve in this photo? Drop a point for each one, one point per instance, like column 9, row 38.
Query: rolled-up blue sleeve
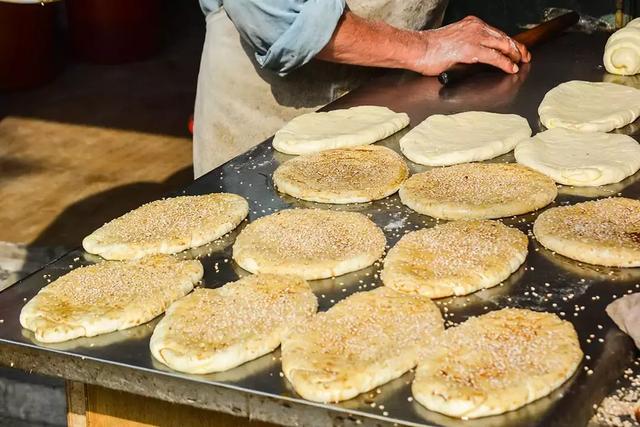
column 285, row 34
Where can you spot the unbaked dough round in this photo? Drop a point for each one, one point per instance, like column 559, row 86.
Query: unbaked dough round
column 581, row 159
column 464, row 137
column 478, row 190
column 589, row 106
column 622, row 51
column 455, row 258
column 602, row 232
column 168, row 226
column 343, row 175
column 362, row 342
column 350, row 127
column 213, row 330
column 311, row 243
column 496, row 363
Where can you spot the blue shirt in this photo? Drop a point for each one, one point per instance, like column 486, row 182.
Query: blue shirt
column 285, row 34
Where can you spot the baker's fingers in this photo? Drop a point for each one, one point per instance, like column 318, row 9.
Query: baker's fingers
column 522, row 51
column 493, row 57
column 502, row 44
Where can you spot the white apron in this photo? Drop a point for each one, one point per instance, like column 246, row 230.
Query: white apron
column 238, row 104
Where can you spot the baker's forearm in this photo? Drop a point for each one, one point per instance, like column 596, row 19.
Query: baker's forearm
column 377, row 44
column 361, row 42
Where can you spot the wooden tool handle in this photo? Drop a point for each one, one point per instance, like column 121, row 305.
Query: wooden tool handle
column 530, row 38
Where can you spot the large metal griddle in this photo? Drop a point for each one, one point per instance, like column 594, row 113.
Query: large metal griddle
column 546, row 281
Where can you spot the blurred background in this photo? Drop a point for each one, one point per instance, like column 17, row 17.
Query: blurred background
column 95, row 105
column 512, row 15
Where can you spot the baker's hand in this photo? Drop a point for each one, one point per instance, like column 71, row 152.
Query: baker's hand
column 468, row 41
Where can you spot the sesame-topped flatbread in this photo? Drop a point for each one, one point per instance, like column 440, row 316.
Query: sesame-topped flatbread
column 212, row 330
column 455, row 258
column 344, row 175
column 168, row 226
column 360, row 343
column 107, row 297
column 311, row 243
column 602, row 232
column 496, row 363
column 478, row 191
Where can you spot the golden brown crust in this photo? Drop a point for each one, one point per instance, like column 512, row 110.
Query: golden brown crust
column 496, row 363
column 603, row 232
column 312, row 243
column 168, row 226
column 346, row 175
column 360, row 343
column 212, row 330
column 455, row 258
column 478, row 191
column 108, row 296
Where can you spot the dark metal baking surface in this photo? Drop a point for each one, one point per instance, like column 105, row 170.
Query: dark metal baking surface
column 576, row 292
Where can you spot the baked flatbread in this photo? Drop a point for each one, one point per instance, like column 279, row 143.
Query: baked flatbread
column 109, row 296
column 311, row 243
column 472, row 136
column 577, row 158
column 589, row 106
column 212, row 330
column 478, row 190
column 602, row 232
column 455, row 258
column 343, row 175
column 168, row 226
column 350, row 127
column 496, row 363
column 362, row 342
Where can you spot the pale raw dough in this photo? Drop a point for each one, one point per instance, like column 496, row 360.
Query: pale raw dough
column 631, row 81
column 362, row 342
column 496, row 363
column 343, row 175
column 581, row 159
column 311, row 243
column 455, row 258
column 602, row 232
column 213, row 330
column 622, row 51
column 477, row 191
column 109, row 296
column 464, row 137
column 168, row 226
column 351, row 127
column 589, row 106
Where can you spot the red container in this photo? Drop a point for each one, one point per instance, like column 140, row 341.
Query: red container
column 30, row 43
column 114, row 31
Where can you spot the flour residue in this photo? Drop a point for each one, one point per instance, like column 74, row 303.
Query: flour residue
column 396, row 224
